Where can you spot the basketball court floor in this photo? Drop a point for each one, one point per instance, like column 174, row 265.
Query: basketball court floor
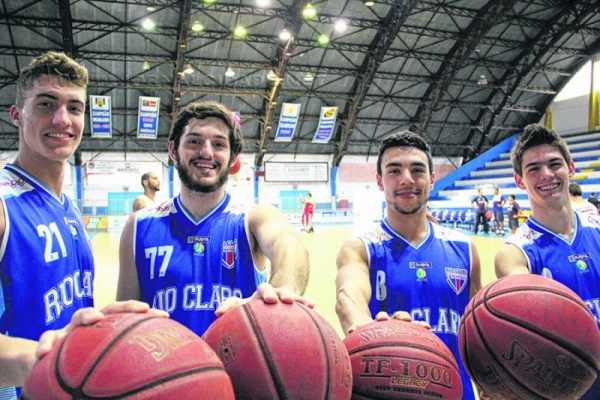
column 322, row 245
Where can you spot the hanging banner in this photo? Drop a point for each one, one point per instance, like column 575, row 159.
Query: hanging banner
column 287, row 122
column 100, row 117
column 148, row 110
column 326, row 125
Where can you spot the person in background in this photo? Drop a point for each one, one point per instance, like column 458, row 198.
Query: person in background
column 151, row 184
column 480, row 205
column 555, row 242
column 195, row 255
column 408, row 263
column 498, row 211
column 308, row 212
column 578, row 203
column 514, row 210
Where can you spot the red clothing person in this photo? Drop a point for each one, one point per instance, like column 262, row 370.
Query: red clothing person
column 308, row 213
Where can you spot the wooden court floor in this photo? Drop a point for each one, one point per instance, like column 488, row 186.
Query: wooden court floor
column 323, row 246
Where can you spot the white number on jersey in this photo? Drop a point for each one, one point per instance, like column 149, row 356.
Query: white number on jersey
column 161, row 251
column 48, row 233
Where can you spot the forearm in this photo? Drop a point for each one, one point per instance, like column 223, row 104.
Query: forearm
column 17, row 356
column 350, row 311
column 289, row 264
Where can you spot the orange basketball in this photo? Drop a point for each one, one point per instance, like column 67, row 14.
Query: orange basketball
column 133, row 356
column 397, row 360
column 529, row 337
column 281, row 351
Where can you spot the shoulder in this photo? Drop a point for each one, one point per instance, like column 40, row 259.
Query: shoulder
column 524, row 236
column 447, row 234
column 11, row 185
column 589, row 220
column 157, row 210
column 372, row 234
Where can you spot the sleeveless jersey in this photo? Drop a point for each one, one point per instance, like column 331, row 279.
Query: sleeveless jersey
column 46, row 264
column 189, row 268
column 430, row 281
column 575, row 263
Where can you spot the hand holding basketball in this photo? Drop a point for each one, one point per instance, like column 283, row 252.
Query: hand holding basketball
column 268, row 294
column 88, row 316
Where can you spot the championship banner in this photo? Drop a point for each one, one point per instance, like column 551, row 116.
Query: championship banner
column 148, row 110
column 326, row 125
column 287, row 122
column 100, row 117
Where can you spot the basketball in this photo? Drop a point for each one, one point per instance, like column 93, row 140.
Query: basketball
column 529, row 337
column 133, row 356
column 395, row 360
column 281, row 351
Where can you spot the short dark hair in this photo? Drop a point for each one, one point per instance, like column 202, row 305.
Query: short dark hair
column 575, row 189
column 511, row 196
column 405, row 139
column 203, row 110
column 535, row 135
column 145, row 177
column 54, row 64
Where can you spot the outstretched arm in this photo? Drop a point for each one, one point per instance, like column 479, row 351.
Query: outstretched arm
column 276, row 239
column 128, row 286
column 353, row 287
column 475, row 271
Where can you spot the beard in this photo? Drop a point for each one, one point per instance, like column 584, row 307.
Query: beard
column 195, row 186
column 409, row 211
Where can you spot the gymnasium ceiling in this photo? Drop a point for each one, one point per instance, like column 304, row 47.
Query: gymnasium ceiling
column 466, row 73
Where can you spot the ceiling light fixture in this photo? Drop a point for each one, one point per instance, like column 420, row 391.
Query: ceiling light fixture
column 148, row 24
column 240, row 32
column 230, row 73
column 309, row 11
column 197, row 26
column 285, row 35
column 341, row 25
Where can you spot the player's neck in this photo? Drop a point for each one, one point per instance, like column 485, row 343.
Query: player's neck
column 200, row 204
column 412, row 227
column 50, row 173
column 150, row 194
column 557, row 220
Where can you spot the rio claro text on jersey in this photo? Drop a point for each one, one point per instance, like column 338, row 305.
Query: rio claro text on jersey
column 190, row 297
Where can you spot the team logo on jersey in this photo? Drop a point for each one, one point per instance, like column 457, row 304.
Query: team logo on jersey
column 198, row 244
column 580, row 261
column 229, row 253
column 72, row 224
column 13, row 183
column 457, row 279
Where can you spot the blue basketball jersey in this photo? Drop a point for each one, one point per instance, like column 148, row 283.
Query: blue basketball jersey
column 575, row 263
column 430, row 281
column 188, row 268
column 46, row 264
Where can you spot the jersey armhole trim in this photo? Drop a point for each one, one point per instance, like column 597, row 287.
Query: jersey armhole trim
column 6, row 228
column 258, row 269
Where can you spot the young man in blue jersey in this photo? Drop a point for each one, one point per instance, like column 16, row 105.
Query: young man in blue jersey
column 555, row 242
column 46, row 265
column 196, row 255
column 408, row 264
